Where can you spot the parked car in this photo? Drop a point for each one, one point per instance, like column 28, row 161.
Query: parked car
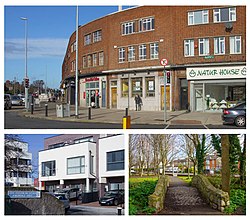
column 16, row 100
column 235, row 115
column 7, row 101
column 63, row 198
column 113, row 197
column 71, row 193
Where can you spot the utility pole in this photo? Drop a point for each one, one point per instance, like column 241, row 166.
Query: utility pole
column 76, row 81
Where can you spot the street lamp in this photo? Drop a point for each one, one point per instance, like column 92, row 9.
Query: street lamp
column 26, row 52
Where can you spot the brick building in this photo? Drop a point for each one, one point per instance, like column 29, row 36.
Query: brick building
column 119, row 56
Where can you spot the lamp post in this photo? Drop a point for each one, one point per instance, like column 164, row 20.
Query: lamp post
column 76, row 81
column 26, row 52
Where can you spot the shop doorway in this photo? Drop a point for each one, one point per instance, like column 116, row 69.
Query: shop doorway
column 104, row 94
column 114, row 97
column 92, row 96
column 167, row 97
column 198, row 99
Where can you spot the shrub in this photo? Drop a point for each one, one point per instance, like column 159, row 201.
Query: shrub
column 237, row 200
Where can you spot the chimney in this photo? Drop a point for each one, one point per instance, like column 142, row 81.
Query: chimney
column 119, row 7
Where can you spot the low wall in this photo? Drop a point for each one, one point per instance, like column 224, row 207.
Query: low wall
column 45, row 205
column 216, row 198
column 157, row 199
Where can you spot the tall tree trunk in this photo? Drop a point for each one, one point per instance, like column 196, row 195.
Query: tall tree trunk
column 225, row 146
column 243, row 164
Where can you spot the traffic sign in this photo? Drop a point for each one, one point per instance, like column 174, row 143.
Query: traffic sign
column 164, row 62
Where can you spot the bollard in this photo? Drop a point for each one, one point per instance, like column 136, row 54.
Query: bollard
column 89, row 115
column 32, row 108
column 119, row 210
column 126, row 122
column 46, row 110
column 126, row 112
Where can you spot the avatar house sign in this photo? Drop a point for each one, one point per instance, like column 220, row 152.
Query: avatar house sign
column 210, row 87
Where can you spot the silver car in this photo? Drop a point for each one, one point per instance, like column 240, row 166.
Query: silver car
column 16, row 100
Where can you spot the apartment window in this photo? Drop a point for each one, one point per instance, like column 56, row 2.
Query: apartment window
column 198, row 17
column 150, row 86
column 101, row 59
column 82, row 140
column 84, row 61
column 131, row 53
column 87, row 39
column 97, row 36
column 146, row 24
column 73, row 66
column 128, row 28
column 235, row 45
column 136, row 86
column 188, row 48
column 121, row 55
column 224, row 14
column 124, row 85
column 94, row 59
column 52, row 146
column 142, row 52
column 154, row 51
column 203, row 46
column 49, row 168
column 73, row 47
column 76, row 165
column 115, row 160
column 219, row 45
column 89, row 60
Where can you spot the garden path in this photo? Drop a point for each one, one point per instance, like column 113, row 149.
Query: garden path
column 182, row 199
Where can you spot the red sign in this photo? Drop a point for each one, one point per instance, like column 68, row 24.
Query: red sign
column 164, row 62
column 91, row 79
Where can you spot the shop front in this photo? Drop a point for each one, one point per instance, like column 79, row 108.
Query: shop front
column 216, row 88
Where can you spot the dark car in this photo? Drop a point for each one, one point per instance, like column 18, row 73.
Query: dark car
column 113, row 197
column 7, row 101
column 235, row 115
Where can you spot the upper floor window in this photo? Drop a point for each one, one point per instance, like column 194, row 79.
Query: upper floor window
column 76, row 165
column 115, row 160
column 154, row 51
column 203, row 46
column 73, row 47
column 219, row 45
column 73, row 65
column 224, row 14
column 49, row 168
column 146, row 24
column 121, row 55
column 128, row 28
column 101, row 58
column 198, row 17
column 84, row 62
column 89, row 60
column 97, row 36
column 94, row 59
column 131, row 53
column 235, row 45
column 87, row 39
column 142, row 52
column 188, row 48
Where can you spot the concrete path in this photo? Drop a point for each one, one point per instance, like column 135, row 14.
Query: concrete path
column 182, row 199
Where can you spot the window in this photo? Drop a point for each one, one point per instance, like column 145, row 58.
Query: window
column 101, row 59
column 131, row 53
column 203, row 46
column 136, row 86
column 52, row 146
column 94, row 59
column 73, row 66
column 115, row 160
column 235, row 45
column 84, row 61
column 49, row 168
column 124, row 86
column 128, row 28
column 87, row 39
column 121, row 55
column 76, row 165
column 142, row 52
column 73, row 47
column 188, row 48
column 150, row 84
column 154, row 51
column 97, row 36
column 146, row 24
column 82, row 140
column 198, row 17
column 224, row 14
column 89, row 60
column 219, row 45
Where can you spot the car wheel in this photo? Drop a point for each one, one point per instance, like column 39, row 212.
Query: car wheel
column 115, row 202
column 240, row 121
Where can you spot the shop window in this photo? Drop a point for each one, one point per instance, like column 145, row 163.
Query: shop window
column 237, row 93
column 203, row 46
column 154, row 51
column 188, row 48
column 76, row 165
column 128, row 28
column 121, row 55
column 131, row 53
column 235, row 45
column 224, row 14
column 142, row 52
column 198, row 17
column 136, row 86
column 146, row 24
column 219, row 45
column 150, row 86
column 49, row 168
column 124, row 87
column 101, row 58
column 115, row 160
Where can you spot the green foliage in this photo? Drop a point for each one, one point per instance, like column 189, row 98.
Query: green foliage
column 139, row 190
column 186, row 179
column 237, row 201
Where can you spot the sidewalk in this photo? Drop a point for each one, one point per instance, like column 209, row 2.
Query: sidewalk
column 100, row 115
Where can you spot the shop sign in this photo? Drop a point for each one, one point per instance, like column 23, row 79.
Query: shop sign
column 24, row 194
column 216, row 73
column 91, row 79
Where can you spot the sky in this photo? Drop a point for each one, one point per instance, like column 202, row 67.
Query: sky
column 49, row 29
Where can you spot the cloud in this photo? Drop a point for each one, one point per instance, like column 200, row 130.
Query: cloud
column 37, row 48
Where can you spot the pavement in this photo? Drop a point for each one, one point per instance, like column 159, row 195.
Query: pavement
column 100, row 115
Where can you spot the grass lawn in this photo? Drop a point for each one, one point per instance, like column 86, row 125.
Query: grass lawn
column 186, row 179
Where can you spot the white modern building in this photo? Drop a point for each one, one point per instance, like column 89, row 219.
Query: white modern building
column 18, row 168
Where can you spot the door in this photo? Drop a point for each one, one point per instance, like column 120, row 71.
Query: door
column 184, row 98
column 198, row 99
column 167, row 97
column 114, row 97
column 103, row 94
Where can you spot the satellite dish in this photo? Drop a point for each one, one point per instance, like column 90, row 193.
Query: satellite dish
column 229, row 26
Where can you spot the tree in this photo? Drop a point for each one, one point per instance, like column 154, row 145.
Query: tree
column 243, row 164
column 225, row 172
